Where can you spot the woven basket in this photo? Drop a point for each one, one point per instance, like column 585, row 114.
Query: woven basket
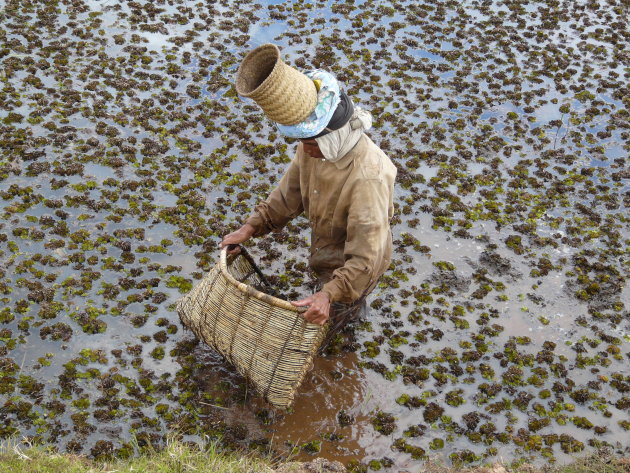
column 285, row 94
column 265, row 338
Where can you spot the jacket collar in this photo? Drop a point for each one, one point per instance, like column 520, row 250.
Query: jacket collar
column 358, row 150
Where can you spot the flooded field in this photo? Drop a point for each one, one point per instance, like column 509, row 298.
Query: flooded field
column 501, row 329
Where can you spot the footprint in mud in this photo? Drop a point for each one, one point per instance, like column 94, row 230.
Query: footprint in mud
column 454, row 280
column 496, row 265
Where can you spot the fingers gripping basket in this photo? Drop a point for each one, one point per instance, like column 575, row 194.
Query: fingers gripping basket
column 264, row 337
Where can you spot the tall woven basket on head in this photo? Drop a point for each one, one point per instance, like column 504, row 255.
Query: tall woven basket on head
column 285, row 94
column 265, row 338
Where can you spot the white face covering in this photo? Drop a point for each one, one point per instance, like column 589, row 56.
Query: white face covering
column 336, row 144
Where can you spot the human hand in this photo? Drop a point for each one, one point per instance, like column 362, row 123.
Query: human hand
column 318, row 312
column 236, row 238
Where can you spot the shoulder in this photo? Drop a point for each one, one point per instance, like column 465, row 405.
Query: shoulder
column 373, row 163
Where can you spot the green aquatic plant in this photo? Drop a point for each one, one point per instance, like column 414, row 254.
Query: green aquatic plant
column 384, row 423
column 345, row 419
column 432, row 412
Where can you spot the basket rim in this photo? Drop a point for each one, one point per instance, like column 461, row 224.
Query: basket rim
column 247, row 289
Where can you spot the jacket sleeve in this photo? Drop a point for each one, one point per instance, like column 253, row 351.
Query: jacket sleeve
column 283, row 204
column 367, row 231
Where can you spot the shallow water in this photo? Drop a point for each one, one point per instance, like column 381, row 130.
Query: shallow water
column 126, row 156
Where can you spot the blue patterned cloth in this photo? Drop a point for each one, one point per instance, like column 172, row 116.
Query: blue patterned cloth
column 327, row 101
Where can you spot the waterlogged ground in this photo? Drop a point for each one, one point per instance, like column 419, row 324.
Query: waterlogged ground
column 501, row 330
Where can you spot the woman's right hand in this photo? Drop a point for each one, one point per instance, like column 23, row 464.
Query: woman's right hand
column 236, row 238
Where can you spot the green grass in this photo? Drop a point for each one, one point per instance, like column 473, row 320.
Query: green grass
column 175, row 458
column 596, row 463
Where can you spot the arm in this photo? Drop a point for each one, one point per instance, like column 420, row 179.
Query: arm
column 283, row 204
column 367, row 232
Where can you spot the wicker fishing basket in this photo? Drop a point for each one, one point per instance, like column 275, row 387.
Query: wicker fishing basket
column 264, row 337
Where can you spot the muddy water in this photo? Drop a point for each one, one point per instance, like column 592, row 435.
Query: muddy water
column 339, row 382
column 501, row 329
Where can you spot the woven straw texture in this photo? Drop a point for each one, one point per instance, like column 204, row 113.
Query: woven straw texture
column 286, row 95
column 265, row 338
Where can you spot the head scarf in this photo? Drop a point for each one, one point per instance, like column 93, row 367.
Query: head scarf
column 336, row 144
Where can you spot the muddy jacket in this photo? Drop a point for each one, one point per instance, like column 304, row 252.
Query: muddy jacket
column 349, row 206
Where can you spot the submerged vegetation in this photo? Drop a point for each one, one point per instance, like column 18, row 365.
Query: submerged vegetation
column 501, row 329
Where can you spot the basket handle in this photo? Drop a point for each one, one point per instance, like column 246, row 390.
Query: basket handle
column 248, row 257
column 264, row 280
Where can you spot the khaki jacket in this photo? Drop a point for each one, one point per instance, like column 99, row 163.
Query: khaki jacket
column 349, row 204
